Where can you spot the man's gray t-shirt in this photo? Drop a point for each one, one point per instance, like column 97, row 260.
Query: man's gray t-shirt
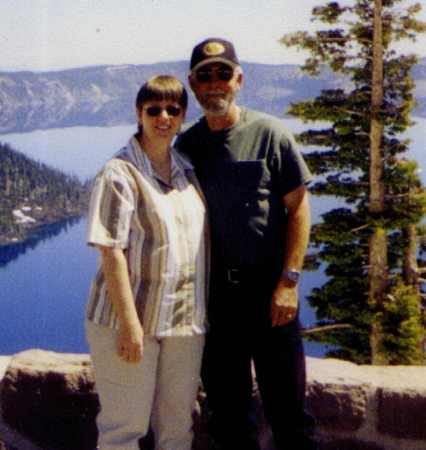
column 244, row 172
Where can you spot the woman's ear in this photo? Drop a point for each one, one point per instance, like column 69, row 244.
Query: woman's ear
column 138, row 113
column 139, row 118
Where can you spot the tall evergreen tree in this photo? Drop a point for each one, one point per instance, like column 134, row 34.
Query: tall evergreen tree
column 378, row 255
column 368, row 246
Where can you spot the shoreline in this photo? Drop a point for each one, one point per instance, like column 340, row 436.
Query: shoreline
column 32, row 231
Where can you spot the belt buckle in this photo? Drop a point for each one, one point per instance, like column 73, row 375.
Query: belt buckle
column 232, row 276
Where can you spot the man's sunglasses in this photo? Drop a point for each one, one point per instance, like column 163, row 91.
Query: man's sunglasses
column 154, row 111
column 204, row 76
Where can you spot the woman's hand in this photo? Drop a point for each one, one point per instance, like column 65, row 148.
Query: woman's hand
column 130, row 342
column 130, row 334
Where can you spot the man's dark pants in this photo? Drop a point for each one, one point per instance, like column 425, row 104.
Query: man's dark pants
column 240, row 332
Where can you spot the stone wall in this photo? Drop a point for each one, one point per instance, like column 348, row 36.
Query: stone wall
column 368, row 407
column 48, row 402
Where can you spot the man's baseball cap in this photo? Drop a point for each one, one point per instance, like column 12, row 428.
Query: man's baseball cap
column 213, row 50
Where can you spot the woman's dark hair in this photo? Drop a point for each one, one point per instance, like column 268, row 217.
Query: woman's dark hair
column 162, row 87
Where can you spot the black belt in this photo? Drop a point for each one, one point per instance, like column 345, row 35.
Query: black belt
column 235, row 275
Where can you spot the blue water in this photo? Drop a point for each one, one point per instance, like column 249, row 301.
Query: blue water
column 43, row 294
column 44, row 291
column 44, row 283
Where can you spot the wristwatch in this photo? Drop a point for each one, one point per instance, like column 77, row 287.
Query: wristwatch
column 291, row 275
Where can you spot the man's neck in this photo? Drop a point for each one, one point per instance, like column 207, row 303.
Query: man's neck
column 217, row 123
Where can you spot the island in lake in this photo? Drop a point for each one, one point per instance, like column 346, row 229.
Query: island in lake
column 33, row 195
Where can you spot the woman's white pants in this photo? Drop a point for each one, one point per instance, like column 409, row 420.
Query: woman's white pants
column 160, row 390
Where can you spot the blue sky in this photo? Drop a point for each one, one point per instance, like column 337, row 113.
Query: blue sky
column 57, row 34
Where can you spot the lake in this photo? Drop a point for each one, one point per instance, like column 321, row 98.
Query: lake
column 44, row 282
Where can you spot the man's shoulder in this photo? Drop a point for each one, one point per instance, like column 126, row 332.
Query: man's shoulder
column 191, row 128
column 266, row 121
column 189, row 137
column 270, row 127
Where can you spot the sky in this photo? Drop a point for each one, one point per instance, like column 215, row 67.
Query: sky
column 58, row 34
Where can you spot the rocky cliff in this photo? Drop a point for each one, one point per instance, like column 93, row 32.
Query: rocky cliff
column 104, row 95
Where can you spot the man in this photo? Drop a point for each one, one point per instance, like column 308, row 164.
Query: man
column 254, row 180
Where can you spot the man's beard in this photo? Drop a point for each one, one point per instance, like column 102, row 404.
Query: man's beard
column 216, row 105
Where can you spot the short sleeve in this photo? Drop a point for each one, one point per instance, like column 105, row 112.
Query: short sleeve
column 292, row 168
column 112, row 203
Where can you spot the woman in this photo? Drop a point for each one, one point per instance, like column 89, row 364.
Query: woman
column 146, row 311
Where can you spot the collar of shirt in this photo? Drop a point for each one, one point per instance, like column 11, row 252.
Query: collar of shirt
column 134, row 153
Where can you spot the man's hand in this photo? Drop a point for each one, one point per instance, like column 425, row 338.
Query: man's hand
column 130, row 343
column 284, row 304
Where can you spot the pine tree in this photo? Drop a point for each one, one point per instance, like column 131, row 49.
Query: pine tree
column 367, row 246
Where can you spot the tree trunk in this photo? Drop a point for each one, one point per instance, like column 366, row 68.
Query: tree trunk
column 411, row 275
column 410, row 269
column 378, row 279
column 378, row 241
column 377, row 188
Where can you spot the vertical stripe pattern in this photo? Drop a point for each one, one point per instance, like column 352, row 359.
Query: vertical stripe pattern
column 163, row 231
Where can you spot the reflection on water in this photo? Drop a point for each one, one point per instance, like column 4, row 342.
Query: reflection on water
column 44, row 291
column 11, row 252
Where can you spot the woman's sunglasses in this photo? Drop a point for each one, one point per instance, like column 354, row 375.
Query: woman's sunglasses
column 204, row 76
column 154, row 111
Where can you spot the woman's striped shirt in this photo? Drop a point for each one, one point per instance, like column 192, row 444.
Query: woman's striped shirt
column 163, row 231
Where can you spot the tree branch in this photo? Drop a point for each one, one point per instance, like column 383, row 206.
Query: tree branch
column 354, row 230
column 307, row 331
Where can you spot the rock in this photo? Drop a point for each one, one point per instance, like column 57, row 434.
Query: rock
column 50, row 398
column 402, row 413
column 337, row 394
column 339, row 406
column 367, row 407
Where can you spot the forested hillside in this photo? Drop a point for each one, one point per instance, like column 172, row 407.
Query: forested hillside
column 33, row 194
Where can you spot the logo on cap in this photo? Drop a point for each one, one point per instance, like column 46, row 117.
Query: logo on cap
column 213, row 48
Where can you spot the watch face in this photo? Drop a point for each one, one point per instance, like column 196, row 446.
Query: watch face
column 292, row 275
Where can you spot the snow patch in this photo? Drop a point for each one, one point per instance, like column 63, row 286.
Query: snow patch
column 21, row 217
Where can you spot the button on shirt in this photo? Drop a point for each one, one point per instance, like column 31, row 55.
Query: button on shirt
column 163, row 231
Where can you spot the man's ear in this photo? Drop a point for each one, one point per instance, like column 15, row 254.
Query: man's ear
column 240, row 78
